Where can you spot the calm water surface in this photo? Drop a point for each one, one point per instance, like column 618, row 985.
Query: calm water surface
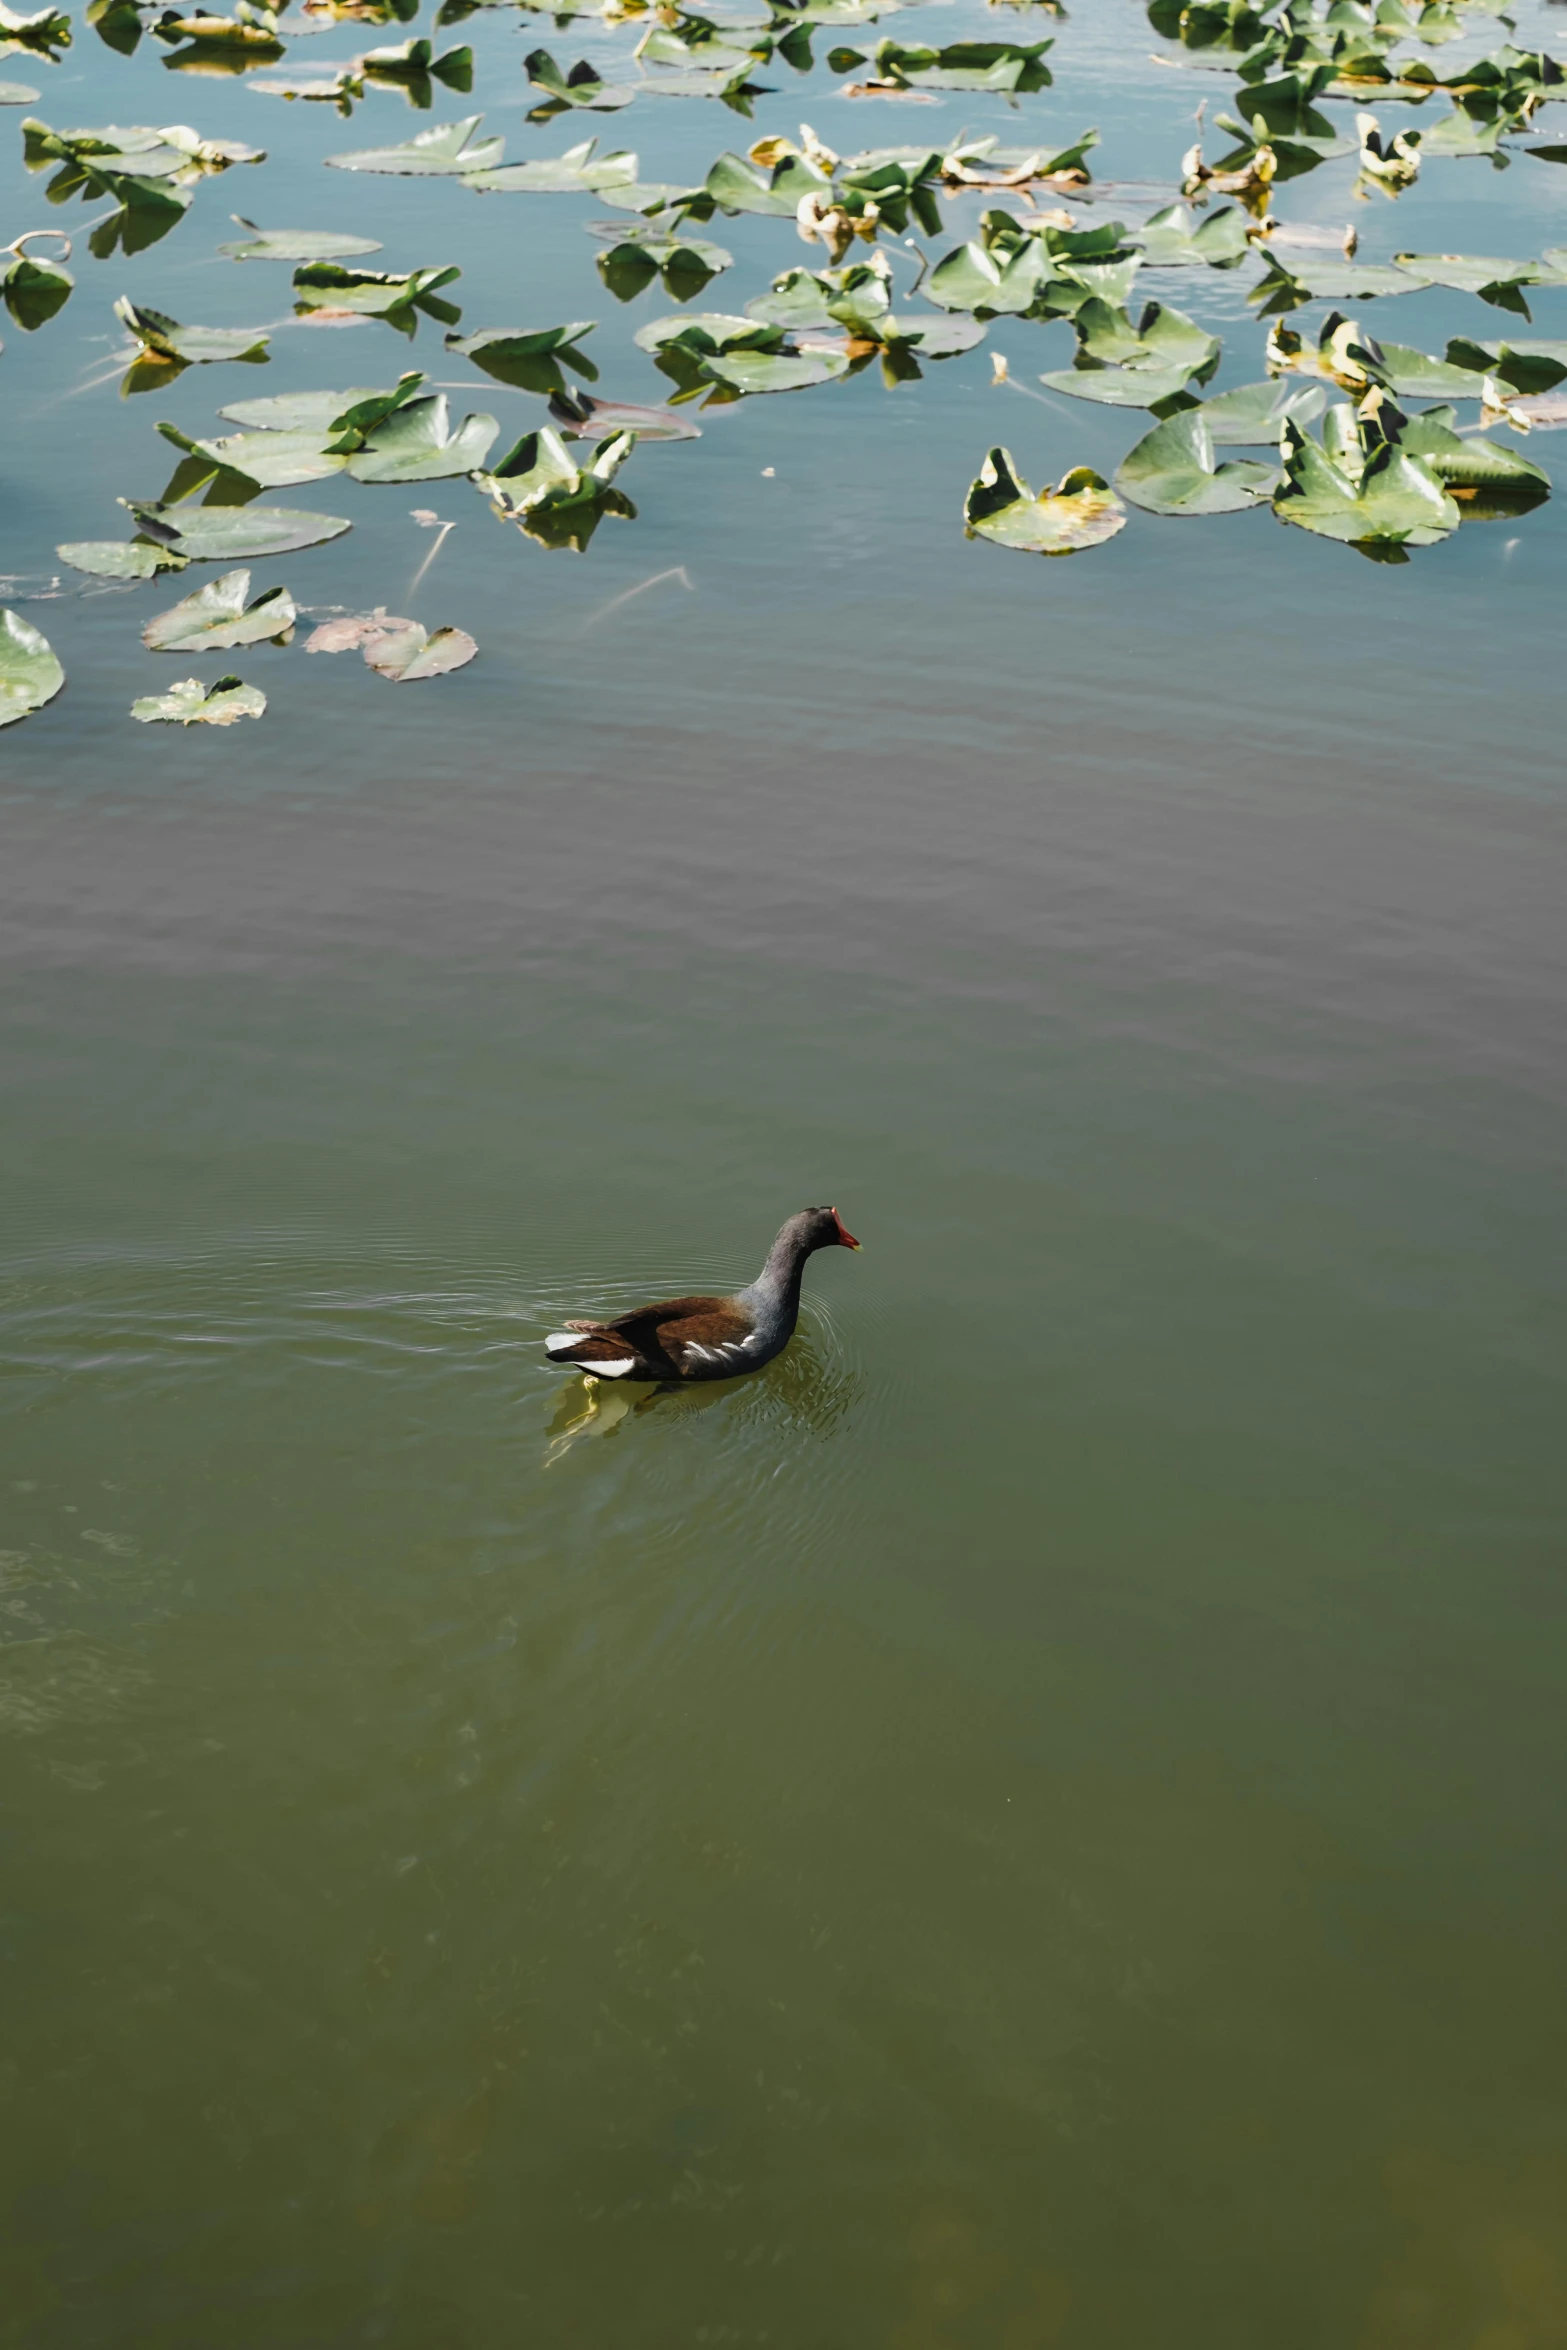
column 1036, row 1822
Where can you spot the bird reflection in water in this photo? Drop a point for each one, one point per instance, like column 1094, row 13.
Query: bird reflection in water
column 808, row 1390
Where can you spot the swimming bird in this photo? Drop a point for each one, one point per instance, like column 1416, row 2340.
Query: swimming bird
column 691, row 1338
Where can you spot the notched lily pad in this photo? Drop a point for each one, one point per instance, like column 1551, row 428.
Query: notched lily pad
column 217, row 617
column 1358, row 485
column 529, row 358
column 1135, row 366
column 190, row 703
column 1172, row 471
column 1175, row 238
column 583, row 86
column 1081, row 511
column 331, row 286
column 416, row 443
column 30, row 673
column 34, row 291
column 686, row 265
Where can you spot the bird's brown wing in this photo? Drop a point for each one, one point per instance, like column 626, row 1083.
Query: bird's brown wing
column 707, row 1335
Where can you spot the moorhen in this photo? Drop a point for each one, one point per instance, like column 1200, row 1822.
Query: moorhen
column 690, row 1338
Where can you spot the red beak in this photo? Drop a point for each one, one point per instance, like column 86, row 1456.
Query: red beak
column 846, row 1238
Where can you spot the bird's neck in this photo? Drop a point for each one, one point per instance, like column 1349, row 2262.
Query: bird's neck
column 776, row 1290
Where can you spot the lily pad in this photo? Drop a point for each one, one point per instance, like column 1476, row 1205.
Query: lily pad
column 162, row 337
column 1255, row 413
column 416, row 443
column 218, row 534
column 1139, row 366
column 30, row 674
column 375, row 293
column 190, row 703
column 1081, row 511
column 583, row 86
column 120, row 558
column 1172, row 471
column 312, row 413
column 268, row 460
column 1175, row 239
column 295, row 244
column 1004, row 66
column 539, row 485
column 580, row 169
column 1497, row 281
column 1366, row 493
column 1285, row 288
column 687, row 266
column 776, row 371
column 582, row 417
column 736, row 185
column 529, row 358
column 410, row 653
column 18, row 94
column 34, row 291
column 216, row 618
column 446, row 150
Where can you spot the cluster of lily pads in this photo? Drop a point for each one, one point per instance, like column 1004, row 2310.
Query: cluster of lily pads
column 1355, row 439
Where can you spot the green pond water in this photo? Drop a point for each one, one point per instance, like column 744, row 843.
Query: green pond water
column 1038, row 1820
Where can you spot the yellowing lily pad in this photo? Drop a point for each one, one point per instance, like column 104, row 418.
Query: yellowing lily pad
column 1081, row 511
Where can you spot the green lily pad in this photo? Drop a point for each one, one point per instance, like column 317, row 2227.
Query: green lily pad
column 295, row 244
column 375, row 293
column 776, row 371
column 1497, row 281
column 736, row 185
column 539, row 485
column 162, row 337
column 1490, row 481
column 1175, row 239
column 34, row 291
column 579, row 170
column 310, row 413
column 1081, row 511
column 1534, row 364
column 216, row 618
column 1139, row 366
column 1172, row 471
column 1256, row 413
column 583, row 86
column 411, row 652
column 190, row 703
column 416, row 443
column 46, row 30
column 1004, row 66
column 218, row 534
column 1374, row 497
column 530, row 358
column 1284, row 289
column 446, row 150
column 30, row 674
column 991, row 284
column 687, row 266
column 120, row 558
column 269, row 460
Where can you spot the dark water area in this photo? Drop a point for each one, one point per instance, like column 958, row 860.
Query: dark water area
column 1036, row 1821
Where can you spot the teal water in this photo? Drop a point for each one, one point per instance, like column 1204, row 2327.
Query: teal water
column 1037, row 1821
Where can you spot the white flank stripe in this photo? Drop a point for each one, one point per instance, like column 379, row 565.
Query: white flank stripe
column 615, row 1370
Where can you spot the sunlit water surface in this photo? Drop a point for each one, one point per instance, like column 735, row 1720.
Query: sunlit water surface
column 1038, row 1820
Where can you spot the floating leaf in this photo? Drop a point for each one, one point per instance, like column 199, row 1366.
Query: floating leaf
column 216, row 618
column 1489, row 481
column 1172, row 471
column 217, row 534
column 120, row 558
column 1363, row 490
column 375, row 293
column 30, row 675
column 738, row 186
column 1530, row 366
column 18, row 94
column 962, row 65
column 583, row 86
column 190, row 703
column 410, row 653
column 162, row 337
column 1081, row 511
column 687, row 266
column 47, row 30
column 268, row 460
column 1139, row 366
column 1175, row 239
column 776, row 371
column 539, row 486
column 1496, row 281
column 204, row 31
column 296, row 244
column 445, row 150
column 34, row 290
column 1284, row 289
column 416, row 443
column 582, row 417
column 312, row 413
column 1254, row 413
column 579, row 169
column 531, row 358
column 352, row 632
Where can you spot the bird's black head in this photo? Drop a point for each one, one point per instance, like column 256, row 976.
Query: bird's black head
column 827, row 1229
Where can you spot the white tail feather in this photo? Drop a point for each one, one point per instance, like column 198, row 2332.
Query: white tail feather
column 561, row 1342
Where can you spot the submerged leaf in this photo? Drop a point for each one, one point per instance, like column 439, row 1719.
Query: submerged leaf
column 190, row 703
column 30, row 674
column 1172, row 471
column 1081, row 511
